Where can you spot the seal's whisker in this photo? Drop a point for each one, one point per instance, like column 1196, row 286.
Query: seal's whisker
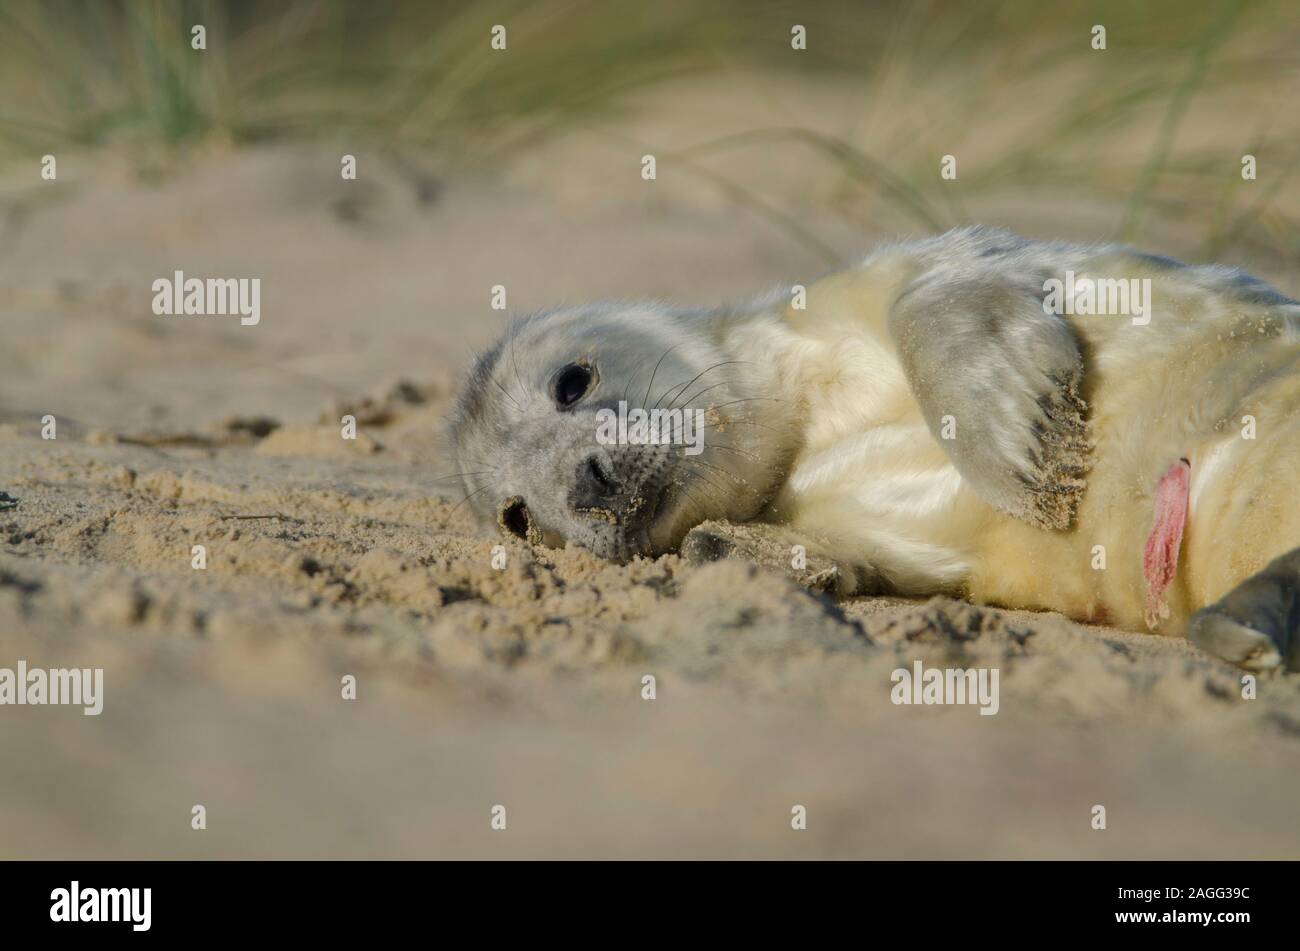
column 699, row 509
column 689, row 383
column 459, row 475
column 656, row 371
column 708, row 465
column 739, row 421
column 700, row 475
column 696, row 395
column 468, row 497
column 628, row 387
column 692, row 463
column 712, row 493
column 523, row 390
column 739, row 452
column 747, row 399
column 507, row 393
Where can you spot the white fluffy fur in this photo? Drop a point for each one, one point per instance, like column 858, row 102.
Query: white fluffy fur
column 869, row 478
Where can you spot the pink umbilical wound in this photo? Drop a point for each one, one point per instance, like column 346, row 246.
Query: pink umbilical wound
column 1160, row 557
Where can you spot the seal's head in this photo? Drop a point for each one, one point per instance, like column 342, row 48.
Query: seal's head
column 615, row 426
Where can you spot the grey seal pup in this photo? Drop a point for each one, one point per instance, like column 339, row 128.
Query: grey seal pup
column 1085, row 429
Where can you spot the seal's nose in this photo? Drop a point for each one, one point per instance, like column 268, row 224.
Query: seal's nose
column 594, row 484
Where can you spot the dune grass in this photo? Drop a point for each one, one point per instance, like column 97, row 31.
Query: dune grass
column 1011, row 87
column 419, row 73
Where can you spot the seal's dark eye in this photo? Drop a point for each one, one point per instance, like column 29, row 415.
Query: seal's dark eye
column 514, row 518
column 572, row 383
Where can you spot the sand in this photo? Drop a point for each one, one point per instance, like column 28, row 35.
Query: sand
column 479, row 686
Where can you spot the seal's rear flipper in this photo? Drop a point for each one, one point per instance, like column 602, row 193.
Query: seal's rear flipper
column 1257, row 624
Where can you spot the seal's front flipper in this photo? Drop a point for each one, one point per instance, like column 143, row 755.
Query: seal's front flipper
column 1257, row 624
column 809, row 563
column 999, row 381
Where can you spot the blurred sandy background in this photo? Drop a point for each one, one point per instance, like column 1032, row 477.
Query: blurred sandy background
column 479, row 687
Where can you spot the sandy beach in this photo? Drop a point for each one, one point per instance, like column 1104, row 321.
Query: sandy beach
column 477, row 686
